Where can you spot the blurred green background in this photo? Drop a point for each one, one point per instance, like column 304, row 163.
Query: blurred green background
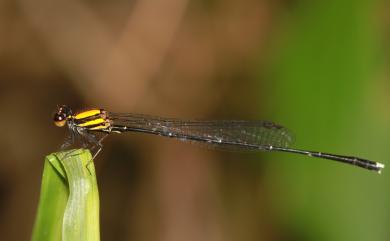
column 318, row 67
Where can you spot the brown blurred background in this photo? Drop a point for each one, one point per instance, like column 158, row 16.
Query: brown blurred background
column 318, row 67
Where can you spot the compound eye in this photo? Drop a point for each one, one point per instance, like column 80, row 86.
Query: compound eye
column 59, row 120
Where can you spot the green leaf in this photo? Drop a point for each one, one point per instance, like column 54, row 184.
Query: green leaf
column 69, row 202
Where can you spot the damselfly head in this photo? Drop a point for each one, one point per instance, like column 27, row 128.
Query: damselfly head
column 61, row 116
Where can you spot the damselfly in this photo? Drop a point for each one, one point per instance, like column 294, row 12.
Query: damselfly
column 93, row 125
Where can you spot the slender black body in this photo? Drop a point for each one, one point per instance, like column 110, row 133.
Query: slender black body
column 93, row 125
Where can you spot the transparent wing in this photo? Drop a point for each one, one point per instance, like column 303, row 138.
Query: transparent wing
column 224, row 134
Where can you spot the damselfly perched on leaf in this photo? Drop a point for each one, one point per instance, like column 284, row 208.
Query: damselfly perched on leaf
column 93, row 125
